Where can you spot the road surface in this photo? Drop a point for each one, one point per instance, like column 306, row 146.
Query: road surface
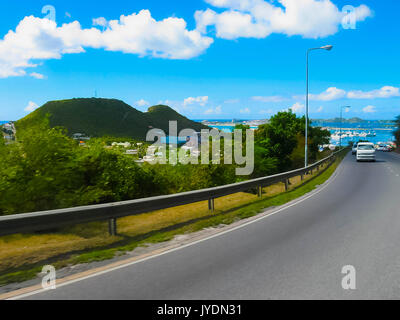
column 297, row 253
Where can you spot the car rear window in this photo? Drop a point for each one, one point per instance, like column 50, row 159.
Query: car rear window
column 366, row 147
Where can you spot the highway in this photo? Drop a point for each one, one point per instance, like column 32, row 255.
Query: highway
column 297, row 253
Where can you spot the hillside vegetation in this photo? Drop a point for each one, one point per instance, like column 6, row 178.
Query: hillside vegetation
column 106, row 117
column 44, row 169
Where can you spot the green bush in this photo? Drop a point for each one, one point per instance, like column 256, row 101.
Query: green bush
column 48, row 170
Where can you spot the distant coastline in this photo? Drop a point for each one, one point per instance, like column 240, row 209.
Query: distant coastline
column 354, row 127
column 351, row 120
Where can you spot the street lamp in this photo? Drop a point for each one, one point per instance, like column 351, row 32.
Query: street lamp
column 341, row 124
column 328, row 48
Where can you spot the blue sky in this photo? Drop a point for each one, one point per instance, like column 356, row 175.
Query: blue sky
column 237, row 59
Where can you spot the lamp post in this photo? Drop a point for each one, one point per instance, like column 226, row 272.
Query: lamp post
column 328, row 48
column 341, row 124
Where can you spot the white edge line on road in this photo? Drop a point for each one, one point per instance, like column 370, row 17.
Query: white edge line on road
column 325, row 185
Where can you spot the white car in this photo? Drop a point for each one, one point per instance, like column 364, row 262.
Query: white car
column 366, row 151
column 354, row 149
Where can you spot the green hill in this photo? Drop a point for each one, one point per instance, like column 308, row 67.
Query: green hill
column 106, row 117
column 160, row 115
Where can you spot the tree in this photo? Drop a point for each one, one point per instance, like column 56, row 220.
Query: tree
column 318, row 137
column 48, row 170
column 35, row 168
column 263, row 164
column 280, row 143
column 278, row 138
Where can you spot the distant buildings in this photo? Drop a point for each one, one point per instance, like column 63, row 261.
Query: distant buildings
column 80, row 136
column 128, row 146
column 121, row 144
column 8, row 126
column 9, row 131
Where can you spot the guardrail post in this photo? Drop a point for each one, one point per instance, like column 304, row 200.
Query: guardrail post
column 302, row 177
column 259, row 191
column 112, row 226
column 286, row 184
column 211, row 205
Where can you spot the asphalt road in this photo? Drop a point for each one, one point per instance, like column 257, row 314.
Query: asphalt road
column 297, row 253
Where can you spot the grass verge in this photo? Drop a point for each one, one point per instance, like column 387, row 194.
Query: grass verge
column 22, row 256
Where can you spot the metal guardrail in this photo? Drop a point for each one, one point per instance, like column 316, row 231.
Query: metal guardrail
column 47, row 220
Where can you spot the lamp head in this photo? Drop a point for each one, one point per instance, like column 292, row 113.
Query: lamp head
column 328, row 47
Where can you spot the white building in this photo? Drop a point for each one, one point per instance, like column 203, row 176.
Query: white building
column 124, row 144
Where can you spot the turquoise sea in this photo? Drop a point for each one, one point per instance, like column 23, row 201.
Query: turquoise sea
column 228, row 128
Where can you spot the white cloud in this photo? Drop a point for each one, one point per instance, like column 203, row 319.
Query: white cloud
column 231, row 24
column 200, row 100
column 297, row 107
column 384, row 92
column 101, row 21
column 32, row 106
column 216, row 110
column 369, row 109
column 320, row 109
column 37, row 39
column 165, row 102
column 328, row 95
column 268, row 99
column 142, row 103
column 171, row 103
column 37, row 75
column 334, row 93
column 245, row 111
column 259, row 18
column 363, row 12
